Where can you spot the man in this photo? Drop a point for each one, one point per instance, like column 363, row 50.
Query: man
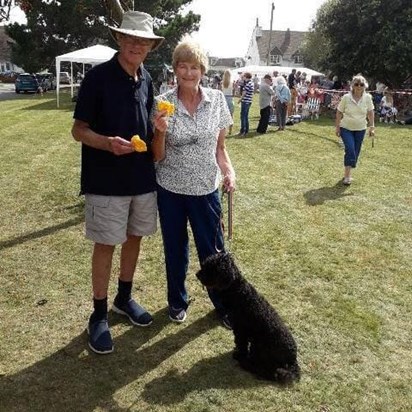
column 265, row 98
column 114, row 103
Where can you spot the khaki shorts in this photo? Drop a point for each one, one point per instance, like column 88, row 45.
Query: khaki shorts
column 109, row 219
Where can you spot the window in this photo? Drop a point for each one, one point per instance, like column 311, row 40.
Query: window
column 298, row 59
column 274, row 59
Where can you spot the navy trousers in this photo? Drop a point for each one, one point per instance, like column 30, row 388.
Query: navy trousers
column 203, row 213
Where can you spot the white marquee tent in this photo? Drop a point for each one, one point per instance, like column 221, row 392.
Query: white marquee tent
column 260, row 71
column 90, row 55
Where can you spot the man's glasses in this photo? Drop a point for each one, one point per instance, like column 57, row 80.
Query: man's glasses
column 359, row 84
column 137, row 40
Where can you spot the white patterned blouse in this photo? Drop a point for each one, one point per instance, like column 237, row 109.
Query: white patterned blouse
column 189, row 166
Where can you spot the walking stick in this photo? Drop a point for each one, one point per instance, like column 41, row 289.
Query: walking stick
column 229, row 232
column 372, row 135
column 229, row 215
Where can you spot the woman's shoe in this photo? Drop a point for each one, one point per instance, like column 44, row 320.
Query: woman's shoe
column 347, row 181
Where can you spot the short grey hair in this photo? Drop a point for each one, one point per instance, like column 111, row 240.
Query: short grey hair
column 280, row 80
column 358, row 78
column 188, row 51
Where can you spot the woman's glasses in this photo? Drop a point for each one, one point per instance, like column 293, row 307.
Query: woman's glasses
column 359, row 84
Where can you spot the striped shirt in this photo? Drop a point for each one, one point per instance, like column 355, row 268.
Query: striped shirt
column 248, row 90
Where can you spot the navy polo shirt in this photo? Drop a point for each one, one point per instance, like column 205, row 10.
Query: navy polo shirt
column 114, row 104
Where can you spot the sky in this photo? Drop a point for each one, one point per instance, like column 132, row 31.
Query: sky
column 226, row 26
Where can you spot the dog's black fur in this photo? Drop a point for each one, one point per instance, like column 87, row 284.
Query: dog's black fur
column 263, row 343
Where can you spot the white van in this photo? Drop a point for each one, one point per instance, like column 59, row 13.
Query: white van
column 65, row 78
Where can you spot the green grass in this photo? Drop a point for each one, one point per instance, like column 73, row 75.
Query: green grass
column 336, row 263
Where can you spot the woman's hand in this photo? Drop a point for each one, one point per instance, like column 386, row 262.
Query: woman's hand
column 337, row 131
column 229, row 181
column 160, row 121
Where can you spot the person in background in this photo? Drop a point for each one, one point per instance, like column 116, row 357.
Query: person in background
column 265, row 97
column 378, row 95
column 189, row 148
column 256, row 83
column 388, row 111
column 245, row 102
column 228, row 91
column 163, row 87
column 282, row 99
column 119, row 184
column 351, row 114
column 293, row 93
column 337, row 84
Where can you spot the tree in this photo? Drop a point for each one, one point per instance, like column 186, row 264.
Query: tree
column 373, row 38
column 57, row 27
column 5, row 8
column 54, row 28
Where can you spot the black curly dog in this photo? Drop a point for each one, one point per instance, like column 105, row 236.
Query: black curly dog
column 263, row 343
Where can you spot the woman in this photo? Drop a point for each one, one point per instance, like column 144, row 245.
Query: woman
column 282, row 95
column 388, row 111
column 228, row 92
column 351, row 114
column 190, row 151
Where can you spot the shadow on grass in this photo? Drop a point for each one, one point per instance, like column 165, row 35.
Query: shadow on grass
column 319, row 196
column 51, row 105
column 78, row 208
column 75, row 379
column 334, row 140
column 173, row 387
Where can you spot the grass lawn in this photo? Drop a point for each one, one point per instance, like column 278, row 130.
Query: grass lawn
column 335, row 261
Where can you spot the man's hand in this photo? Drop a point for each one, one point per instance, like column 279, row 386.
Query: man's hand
column 119, row 146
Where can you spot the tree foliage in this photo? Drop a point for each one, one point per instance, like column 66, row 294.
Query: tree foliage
column 57, row 27
column 5, row 8
column 373, row 38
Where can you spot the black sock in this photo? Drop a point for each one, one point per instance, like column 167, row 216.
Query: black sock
column 100, row 308
column 124, row 292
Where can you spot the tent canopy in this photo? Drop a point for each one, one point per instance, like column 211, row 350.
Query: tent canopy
column 260, row 71
column 90, row 55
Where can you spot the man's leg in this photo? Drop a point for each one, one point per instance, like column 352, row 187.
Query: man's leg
column 123, row 302
column 100, row 340
column 101, row 268
column 128, row 257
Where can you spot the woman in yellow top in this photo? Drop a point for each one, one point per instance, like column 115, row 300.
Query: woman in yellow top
column 351, row 114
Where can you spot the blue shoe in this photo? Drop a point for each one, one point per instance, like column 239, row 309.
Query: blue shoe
column 177, row 315
column 138, row 315
column 100, row 339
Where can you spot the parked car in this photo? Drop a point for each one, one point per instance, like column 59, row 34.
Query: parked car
column 8, row 77
column 26, row 82
column 65, row 78
column 46, row 81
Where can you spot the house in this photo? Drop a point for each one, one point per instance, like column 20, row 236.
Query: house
column 5, row 53
column 275, row 48
column 218, row 64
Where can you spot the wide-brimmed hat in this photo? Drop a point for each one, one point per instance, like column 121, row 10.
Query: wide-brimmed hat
column 138, row 24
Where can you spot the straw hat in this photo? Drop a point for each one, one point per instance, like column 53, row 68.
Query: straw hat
column 137, row 24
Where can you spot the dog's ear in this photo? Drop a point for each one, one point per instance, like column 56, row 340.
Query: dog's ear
column 228, row 272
